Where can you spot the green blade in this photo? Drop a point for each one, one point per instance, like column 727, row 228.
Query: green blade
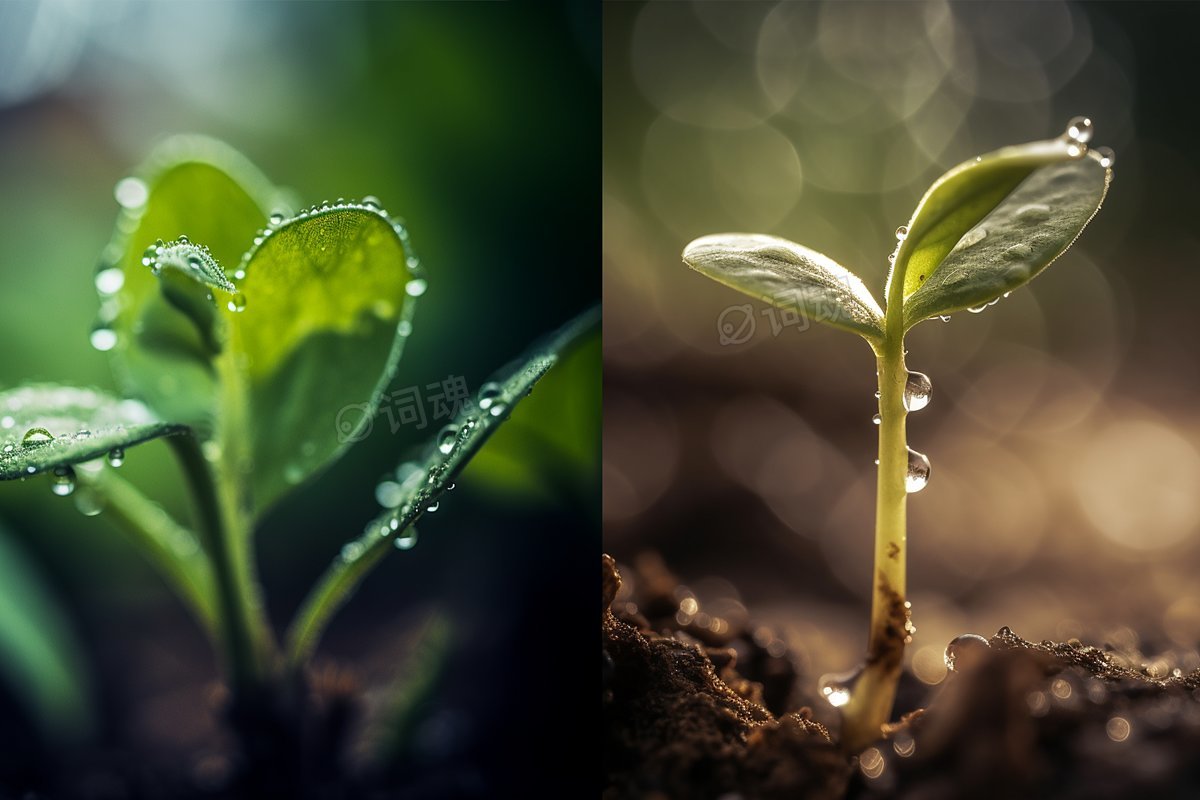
column 45, row 427
column 789, row 276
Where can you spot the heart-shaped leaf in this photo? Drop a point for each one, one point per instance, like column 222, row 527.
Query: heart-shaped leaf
column 789, row 276
column 327, row 302
column 189, row 186
column 422, row 484
column 46, row 427
column 1019, row 238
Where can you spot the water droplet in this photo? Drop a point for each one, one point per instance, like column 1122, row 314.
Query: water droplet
column 8, row 448
column 977, row 309
column 891, row 258
column 194, row 262
column 1079, row 130
column 276, row 219
column 62, row 481
column 918, row 391
column 872, row 763
column 1076, row 150
column 944, row 317
column 878, row 420
column 918, row 472
column 446, row 439
column 973, row 237
column 88, row 503
column 416, row 287
column 406, row 540
column 489, row 393
column 103, row 338
column 498, row 407
column 131, row 193
column 352, row 551
column 239, row 275
column 1018, row 252
column 904, row 744
column 1034, row 212
column 36, row 436
column 837, row 688
column 150, row 256
column 901, row 232
column 116, row 457
column 110, row 280
column 1107, row 157
column 389, row 494
column 183, row 239
column 237, row 302
column 7, row 422
column 404, row 328
column 965, row 651
column 371, row 201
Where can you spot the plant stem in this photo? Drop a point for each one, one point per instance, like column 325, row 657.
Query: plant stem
column 334, row 588
column 244, row 631
column 871, row 701
column 171, row 548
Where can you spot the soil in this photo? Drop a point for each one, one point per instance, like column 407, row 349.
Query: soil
column 693, row 712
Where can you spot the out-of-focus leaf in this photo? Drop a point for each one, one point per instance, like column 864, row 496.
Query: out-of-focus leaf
column 189, row 186
column 40, row 658
column 1018, row 238
column 789, row 276
column 550, row 448
column 424, row 483
column 328, row 303
column 45, row 426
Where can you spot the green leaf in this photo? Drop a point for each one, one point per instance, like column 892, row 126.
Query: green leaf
column 423, row 484
column 328, row 302
column 44, row 427
column 190, row 186
column 40, row 656
column 1021, row 236
column 789, row 276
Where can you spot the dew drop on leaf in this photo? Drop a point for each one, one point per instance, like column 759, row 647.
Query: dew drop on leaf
column 902, row 232
column 498, row 407
column 918, row 391
column 838, row 688
column 88, row 502
column 62, row 481
column 8, row 448
column 446, row 439
column 416, row 287
column 973, row 237
column 276, row 219
column 878, row 420
column 371, row 201
column 918, row 472
column 237, row 302
column 116, row 457
column 1079, row 130
column 432, row 507
column 964, row 651
column 36, row 436
column 406, row 540
column 352, row 551
column 1018, row 252
column 489, row 393
column 1034, row 212
column 404, row 328
column 103, row 338
column 1107, row 157
column 110, row 280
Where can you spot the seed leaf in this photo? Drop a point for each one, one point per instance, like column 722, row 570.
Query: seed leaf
column 198, row 188
column 789, row 276
column 326, row 295
column 989, row 225
column 45, row 426
column 425, row 484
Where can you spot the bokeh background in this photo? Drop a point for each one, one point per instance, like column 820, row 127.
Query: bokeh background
column 1063, row 431
column 477, row 123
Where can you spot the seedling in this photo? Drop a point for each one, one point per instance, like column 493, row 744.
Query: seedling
column 260, row 369
column 983, row 229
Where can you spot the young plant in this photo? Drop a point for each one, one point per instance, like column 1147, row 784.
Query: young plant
column 259, row 377
column 983, row 229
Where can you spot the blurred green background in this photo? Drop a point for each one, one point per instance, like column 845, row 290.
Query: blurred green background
column 479, row 125
column 1063, row 431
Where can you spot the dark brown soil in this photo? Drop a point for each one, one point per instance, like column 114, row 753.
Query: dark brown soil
column 690, row 713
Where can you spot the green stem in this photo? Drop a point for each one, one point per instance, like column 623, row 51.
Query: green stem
column 244, row 631
column 171, row 548
column 871, row 701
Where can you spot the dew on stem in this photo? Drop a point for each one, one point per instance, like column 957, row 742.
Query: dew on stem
column 965, row 651
column 918, row 391
column 918, row 472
